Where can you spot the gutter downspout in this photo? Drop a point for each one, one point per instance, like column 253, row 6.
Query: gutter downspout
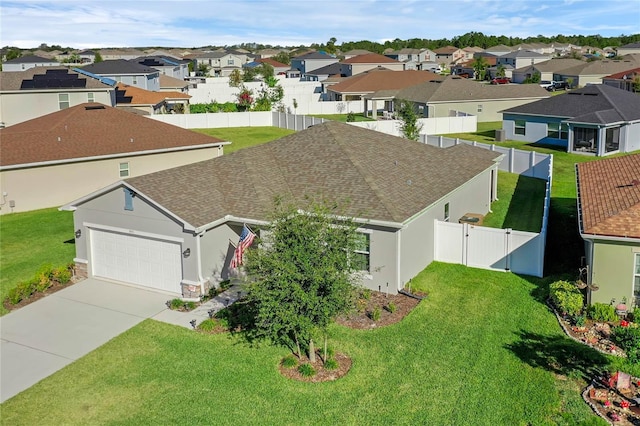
column 199, row 260
column 399, row 284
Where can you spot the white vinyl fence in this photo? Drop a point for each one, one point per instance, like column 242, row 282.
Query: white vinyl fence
column 499, row 249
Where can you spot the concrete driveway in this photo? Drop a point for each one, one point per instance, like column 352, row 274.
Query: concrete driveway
column 41, row 338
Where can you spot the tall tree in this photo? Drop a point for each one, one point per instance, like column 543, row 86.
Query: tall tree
column 282, row 57
column 98, row 58
column 480, row 65
column 410, row 127
column 302, row 274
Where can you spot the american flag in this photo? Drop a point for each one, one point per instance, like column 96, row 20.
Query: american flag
column 246, row 239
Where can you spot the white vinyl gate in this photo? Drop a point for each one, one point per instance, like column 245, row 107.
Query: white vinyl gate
column 137, row 260
column 489, row 248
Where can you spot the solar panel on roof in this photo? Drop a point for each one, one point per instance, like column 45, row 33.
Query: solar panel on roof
column 27, row 84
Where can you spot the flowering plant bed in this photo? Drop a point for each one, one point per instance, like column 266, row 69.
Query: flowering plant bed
column 619, row 406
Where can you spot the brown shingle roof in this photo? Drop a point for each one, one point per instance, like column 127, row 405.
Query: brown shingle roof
column 379, row 176
column 172, row 82
column 376, row 80
column 132, row 95
column 89, row 130
column 370, row 58
column 272, row 62
column 609, row 196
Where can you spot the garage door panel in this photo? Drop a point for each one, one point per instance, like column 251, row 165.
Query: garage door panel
column 138, row 260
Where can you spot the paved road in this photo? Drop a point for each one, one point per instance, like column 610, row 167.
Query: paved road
column 41, row 338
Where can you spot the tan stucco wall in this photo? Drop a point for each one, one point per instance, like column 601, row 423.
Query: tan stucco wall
column 18, row 107
column 490, row 108
column 612, row 270
column 51, row 186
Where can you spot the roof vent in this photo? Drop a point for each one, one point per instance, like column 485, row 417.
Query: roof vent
column 131, row 140
column 92, row 107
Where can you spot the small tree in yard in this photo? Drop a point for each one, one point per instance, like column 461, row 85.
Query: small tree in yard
column 302, row 275
column 409, row 125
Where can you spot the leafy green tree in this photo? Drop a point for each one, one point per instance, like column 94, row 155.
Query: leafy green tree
column 302, row 274
column 203, row 69
column 98, row 58
column 501, row 71
column 265, row 70
column 235, row 78
column 13, row 53
column 480, row 65
column 410, row 127
column 249, row 74
column 283, row 58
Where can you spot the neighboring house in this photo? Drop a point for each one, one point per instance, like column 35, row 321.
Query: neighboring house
column 87, row 56
column 363, row 63
column 311, row 61
column 449, row 55
column 56, row 158
column 442, row 98
column 356, row 87
column 412, row 58
column 628, row 49
column 222, row 63
column 608, row 212
column 542, row 48
column 323, row 73
column 499, row 50
column 595, row 120
column 562, row 49
column 39, row 91
column 467, row 66
column 626, row 80
column 170, row 84
column 593, row 72
column 127, row 72
column 146, row 102
column 278, row 67
column 268, row 53
column 176, row 68
column 548, row 70
column 521, row 58
column 26, row 62
column 175, row 230
column 115, row 54
column 355, row 52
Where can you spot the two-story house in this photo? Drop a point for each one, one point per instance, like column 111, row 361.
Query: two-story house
column 176, row 68
column 127, row 72
column 521, row 58
column 311, row 61
column 362, row 63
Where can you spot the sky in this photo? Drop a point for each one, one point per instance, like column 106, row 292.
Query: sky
column 85, row 24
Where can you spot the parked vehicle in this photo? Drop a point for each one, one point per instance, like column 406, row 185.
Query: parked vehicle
column 501, row 80
column 546, row 84
column 558, row 85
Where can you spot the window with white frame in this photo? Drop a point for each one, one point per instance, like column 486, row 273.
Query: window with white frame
column 446, row 212
column 135, row 79
column 479, row 108
column 564, row 131
column 229, row 61
column 361, row 255
column 124, row 170
column 520, row 126
column 636, row 278
column 91, row 97
column 63, row 100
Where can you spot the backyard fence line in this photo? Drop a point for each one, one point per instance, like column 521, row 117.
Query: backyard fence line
column 498, row 249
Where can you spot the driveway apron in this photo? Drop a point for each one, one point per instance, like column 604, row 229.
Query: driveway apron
column 43, row 337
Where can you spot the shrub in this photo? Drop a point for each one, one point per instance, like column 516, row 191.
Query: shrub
column 628, row 338
column 176, row 304
column 602, row 312
column 62, row 274
column 391, row 307
column 375, row 314
column 15, row 295
column 225, row 285
column 331, row 364
column 45, row 270
column 41, row 282
column 208, row 325
column 366, row 294
column 289, row 361
column 361, row 305
column 635, row 314
column 579, row 320
column 306, row 370
column 566, row 297
column 351, row 117
column 190, row 306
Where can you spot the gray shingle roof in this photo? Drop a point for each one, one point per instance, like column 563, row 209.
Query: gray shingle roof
column 381, row 177
column 553, row 65
column 29, row 59
column 598, row 103
column 604, row 67
column 118, row 66
column 524, row 54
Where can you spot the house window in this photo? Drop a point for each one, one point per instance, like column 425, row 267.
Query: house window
column 520, row 127
column 362, row 252
column 135, row 80
column 553, row 130
column 128, row 199
column 230, row 62
column 564, row 131
column 446, row 212
column 479, row 108
column 612, row 142
column 63, row 100
column 124, row 170
column 91, row 97
column 636, row 279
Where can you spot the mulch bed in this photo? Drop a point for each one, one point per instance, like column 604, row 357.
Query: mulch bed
column 609, row 403
column 55, row 287
column 362, row 320
column 322, row 375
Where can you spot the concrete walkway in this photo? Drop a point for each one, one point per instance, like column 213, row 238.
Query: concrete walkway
column 43, row 337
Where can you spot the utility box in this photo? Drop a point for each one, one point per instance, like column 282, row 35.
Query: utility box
column 500, row 135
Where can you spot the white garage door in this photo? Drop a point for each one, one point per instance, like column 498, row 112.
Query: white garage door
column 138, row 260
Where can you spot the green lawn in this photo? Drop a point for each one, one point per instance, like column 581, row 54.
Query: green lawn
column 520, row 203
column 482, row 349
column 31, row 239
column 244, row 137
column 342, row 117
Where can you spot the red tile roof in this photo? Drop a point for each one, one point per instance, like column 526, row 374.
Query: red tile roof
column 272, row 62
column 89, row 130
column 146, row 97
column 629, row 73
column 609, row 196
column 370, row 58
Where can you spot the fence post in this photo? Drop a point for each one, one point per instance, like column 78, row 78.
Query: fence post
column 512, row 155
column 493, row 147
column 532, row 163
column 440, row 141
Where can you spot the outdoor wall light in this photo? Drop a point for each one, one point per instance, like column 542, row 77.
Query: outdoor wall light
column 78, row 233
column 186, row 253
